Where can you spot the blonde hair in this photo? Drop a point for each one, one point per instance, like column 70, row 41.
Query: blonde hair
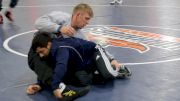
column 84, row 8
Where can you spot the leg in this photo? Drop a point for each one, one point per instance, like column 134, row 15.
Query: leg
column 108, row 67
column 66, row 93
column 0, row 5
column 78, row 78
column 1, row 18
column 13, row 3
column 89, row 76
column 84, row 78
column 8, row 13
column 115, row 2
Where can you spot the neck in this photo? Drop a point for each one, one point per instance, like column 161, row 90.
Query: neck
column 73, row 21
column 74, row 26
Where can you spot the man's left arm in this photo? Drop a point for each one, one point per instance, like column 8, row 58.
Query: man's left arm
column 61, row 61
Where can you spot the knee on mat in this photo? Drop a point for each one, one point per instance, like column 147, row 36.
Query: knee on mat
column 84, row 78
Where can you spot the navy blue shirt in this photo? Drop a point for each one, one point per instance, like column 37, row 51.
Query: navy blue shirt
column 70, row 54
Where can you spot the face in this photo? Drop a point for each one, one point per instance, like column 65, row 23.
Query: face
column 43, row 51
column 82, row 19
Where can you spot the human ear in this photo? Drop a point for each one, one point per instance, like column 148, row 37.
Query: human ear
column 49, row 45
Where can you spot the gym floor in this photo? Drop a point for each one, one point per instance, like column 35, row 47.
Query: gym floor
column 142, row 34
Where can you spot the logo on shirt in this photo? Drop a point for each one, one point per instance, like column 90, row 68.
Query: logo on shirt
column 127, row 38
column 97, row 57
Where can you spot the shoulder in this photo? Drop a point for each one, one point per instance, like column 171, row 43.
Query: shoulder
column 57, row 50
column 59, row 13
column 58, row 42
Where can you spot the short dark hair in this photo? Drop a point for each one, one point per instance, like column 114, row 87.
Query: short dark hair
column 40, row 39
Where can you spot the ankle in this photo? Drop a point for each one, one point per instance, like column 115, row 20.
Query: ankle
column 9, row 9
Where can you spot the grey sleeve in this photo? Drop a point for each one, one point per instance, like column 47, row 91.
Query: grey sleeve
column 51, row 22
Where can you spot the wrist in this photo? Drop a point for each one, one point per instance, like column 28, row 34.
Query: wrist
column 112, row 59
column 57, row 93
column 59, row 29
column 59, row 90
column 62, row 87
